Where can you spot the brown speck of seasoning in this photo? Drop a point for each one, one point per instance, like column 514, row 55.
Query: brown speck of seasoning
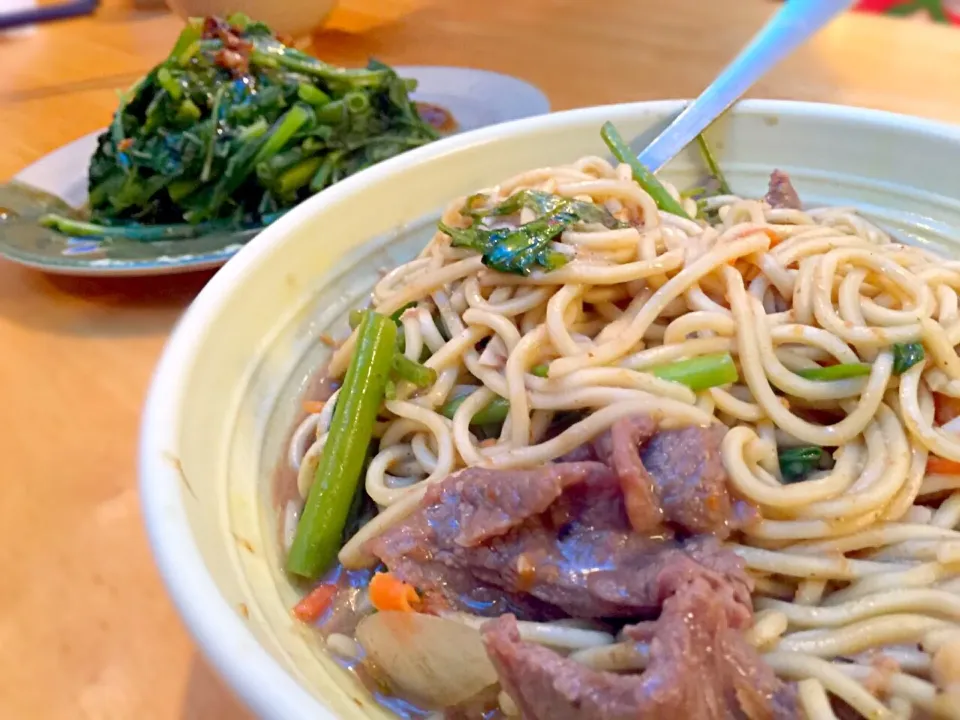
column 178, row 466
column 328, row 340
column 771, row 120
column 244, row 543
column 359, row 702
column 244, row 610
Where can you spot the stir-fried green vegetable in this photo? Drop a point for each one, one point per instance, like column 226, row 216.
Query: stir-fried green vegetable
column 235, row 127
column 836, row 372
column 906, row 355
column 522, row 249
column 542, row 203
column 328, row 505
column 644, row 178
column 494, row 413
column 700, row 373
column 797, row 463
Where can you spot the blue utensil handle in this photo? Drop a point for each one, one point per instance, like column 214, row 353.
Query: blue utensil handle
column 796, row 21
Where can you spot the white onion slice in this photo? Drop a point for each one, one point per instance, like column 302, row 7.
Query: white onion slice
column 432, row 660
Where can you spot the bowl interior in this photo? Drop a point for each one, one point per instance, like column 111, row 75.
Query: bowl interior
column 226, row 393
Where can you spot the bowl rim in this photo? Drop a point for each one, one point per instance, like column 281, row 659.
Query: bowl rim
column 252, row 673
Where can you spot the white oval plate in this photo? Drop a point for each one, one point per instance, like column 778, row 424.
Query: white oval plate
column 475, row 98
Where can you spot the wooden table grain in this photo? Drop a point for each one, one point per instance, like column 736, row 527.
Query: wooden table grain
column 85, row 628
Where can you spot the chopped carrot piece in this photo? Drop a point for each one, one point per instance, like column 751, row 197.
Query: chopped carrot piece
column 313, row 406
column 942, row 466
column 388, row 593
column 315, row 603
column 946, row 408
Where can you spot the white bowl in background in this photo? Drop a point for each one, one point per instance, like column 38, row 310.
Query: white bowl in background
column 225, row 393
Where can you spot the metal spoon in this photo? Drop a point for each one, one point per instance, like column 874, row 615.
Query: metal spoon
column 788, row 29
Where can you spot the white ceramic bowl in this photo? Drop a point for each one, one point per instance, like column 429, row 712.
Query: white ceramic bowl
column 224, row 394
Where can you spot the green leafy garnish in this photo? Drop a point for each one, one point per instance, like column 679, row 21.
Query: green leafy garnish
column 522, row 249
column 797, row 463
column 906, row 355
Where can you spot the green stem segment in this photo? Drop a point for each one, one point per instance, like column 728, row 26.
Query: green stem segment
column 412, row 371
column 700, row 373
column 836, row 372
column 327, row 508
column 644, row 178
column 713, row 167
column 493, row 414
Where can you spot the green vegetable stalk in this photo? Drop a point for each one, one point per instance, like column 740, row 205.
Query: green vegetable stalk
column 700, row 373
column 836, row 372
column 644, row 178
column 328, row 505
column 494, row 413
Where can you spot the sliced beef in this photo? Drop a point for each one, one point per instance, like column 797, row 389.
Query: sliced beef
column 700, row 667
column 546, row 543
column 619, row 448
column 671, row 477
column 781, row 193
column 691, row 480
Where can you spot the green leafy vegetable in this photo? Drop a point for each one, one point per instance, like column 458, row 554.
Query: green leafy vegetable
column 494, row 413
column 796, row 464
column 836, row 372
column 331, row 497
column 542, row 203
column 522, row 249
column 235, row 127
column 643, row 177
column 700, row 373
column 906, row 355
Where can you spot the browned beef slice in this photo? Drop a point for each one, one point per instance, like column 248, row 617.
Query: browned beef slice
column 691, row 480
column 781, row 193
column 699, row 668
column 672, row 476
column 619, row 449
column 492, row 541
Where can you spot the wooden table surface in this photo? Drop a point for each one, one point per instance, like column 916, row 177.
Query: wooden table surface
column 86, row 630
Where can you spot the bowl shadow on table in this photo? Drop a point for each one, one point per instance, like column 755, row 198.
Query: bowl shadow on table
column 207, row 697
column 98, row 307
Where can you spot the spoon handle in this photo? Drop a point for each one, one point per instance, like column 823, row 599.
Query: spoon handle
column 796, row 21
